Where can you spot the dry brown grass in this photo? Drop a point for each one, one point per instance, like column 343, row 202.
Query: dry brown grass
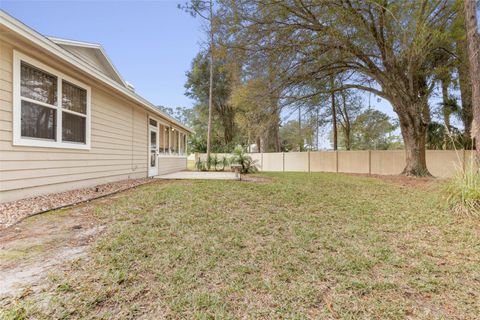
column 301, row 246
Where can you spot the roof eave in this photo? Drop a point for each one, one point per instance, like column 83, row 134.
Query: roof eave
column 91, row 45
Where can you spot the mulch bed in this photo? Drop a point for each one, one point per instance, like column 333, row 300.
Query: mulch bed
column 14, row 211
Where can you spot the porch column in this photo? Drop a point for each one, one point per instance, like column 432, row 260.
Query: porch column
column 169, row 140
column 178, row 142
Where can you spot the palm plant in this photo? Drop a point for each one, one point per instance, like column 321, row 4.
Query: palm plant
column 213, row 162
column 224, row 162
column 242, row 158
column 200, row 165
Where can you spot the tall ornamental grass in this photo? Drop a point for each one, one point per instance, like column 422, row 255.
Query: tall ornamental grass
column 463, row 191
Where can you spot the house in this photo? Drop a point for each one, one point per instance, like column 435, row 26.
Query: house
column 69, row 120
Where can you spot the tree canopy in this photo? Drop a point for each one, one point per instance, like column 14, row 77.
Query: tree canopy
column 280, row 58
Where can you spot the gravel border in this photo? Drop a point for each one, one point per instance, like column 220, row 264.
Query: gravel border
column 15, row 211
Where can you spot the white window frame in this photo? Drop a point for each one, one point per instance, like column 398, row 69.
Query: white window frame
column 18, row 140
column 157, row 152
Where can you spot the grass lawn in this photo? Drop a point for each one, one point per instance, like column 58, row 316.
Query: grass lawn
column 302, row 246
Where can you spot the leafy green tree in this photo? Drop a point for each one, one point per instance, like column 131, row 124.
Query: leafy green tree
column 349, row 105
column 197, row 87
column 439, row 138
column 374, row 130
column 386, row 46
column 252, row 115
column 295, row 140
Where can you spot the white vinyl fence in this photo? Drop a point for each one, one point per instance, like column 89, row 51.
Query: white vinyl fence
column 440, row 163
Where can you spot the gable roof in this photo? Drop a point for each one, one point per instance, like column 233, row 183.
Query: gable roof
column 56, row 50
column 92, row 53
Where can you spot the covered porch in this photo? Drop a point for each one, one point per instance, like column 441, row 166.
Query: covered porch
column 167, row 148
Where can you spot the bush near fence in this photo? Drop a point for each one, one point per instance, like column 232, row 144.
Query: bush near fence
column 440, row 163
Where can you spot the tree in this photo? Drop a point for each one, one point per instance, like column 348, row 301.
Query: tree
column 473, row 42
column 334, row 113
column 349, row 109
column 456, row 71
column 293, row 140
column 199, row 7
column 180, row 113
column 373, row 130
column 465, row 85
column 349, row 106
column 198, row 88
column 386, row 47
column 252, row 115
column 438, row 138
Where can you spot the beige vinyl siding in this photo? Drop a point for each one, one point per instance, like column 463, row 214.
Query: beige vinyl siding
column 95, row 58
column 118, row 146
column 168, row 164
column 119, row 138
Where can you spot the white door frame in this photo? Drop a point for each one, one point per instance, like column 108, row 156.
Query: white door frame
column 152, row 170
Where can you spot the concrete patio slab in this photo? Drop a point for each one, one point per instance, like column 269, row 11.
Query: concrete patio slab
column 198, row 175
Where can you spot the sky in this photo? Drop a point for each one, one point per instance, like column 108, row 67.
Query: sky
column 151, row 43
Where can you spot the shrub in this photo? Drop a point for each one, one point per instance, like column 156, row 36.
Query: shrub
column 201, row 165
column 242, row 158
column 216, row 163
column 212, row 162
column 225, row 163
column 463, row 192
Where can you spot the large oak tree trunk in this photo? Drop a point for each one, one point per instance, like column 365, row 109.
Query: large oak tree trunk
column 474, row 59
column 414, row 133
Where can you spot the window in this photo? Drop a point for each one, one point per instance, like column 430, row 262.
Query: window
column 50, row 109
column 74, row 113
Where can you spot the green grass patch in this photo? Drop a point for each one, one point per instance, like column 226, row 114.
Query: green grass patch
column 302, row 246
column 21, row 252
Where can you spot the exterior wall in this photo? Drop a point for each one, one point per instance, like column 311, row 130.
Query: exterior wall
column 92, row 56
column 119, row 140
column 168, row 164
